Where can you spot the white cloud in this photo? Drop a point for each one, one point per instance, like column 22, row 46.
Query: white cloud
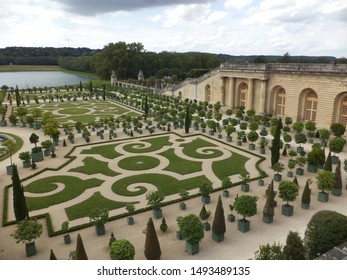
column 237, row 4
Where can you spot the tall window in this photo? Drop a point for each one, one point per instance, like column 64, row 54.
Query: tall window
column 208, row 93
column 243, row 95
column 280, row 102
column 311, row 106
column 343, row 115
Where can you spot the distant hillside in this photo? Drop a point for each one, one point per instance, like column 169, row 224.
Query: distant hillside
column 275, row 58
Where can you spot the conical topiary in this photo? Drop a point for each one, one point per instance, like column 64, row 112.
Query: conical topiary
column 294, row 248
column 19, row 202
column 306, row 194
column 338, row 179
column 80, row 251
column 295, row 180
column 269, row 209
column 218, row 225
column 152, row 246
column 328, row 165
column 204, row 214
column 52, row 255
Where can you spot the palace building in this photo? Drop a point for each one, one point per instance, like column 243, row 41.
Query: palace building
column 316, row 92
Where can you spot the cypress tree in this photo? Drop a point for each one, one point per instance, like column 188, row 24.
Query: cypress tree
column 269, row 207
column 17, row 96
column 338, row 179
column 146, row 107
column 80, row 251
column 90, row 87
column 294, row 248
column 187, row 120
column 295, row 180
column 218, row 225
column 19, row 203
column 52, row 256
column 328, row 165
column 152, row 246
column 276, row 144
column 103, row 92
column 81, row 88
column 306, row 194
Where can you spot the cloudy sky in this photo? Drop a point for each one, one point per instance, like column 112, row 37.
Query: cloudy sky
column 238, row 27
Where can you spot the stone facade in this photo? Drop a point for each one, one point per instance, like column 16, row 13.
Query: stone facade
column 316, row 92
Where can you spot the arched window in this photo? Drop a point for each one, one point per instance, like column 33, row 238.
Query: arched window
column 208, row 93
column 243, row 95
column 343, row 114
column 280, row 102
column 311, row 106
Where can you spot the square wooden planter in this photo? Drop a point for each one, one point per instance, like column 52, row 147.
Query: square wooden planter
column 130, row 221
column 30, row 249
column 192, row 249
column 67, row 239
column 323, row 196
column 305, row 205
column 231, row 218
column 243, row 225
column 267, row 219
column 299, row 171
column 157, row 213
column 217, row 237
column 336, row 192
column 245, row 187
column 277, row 177
column 225, row 193
column 251, row 147
column 260, row 182
column 312, row 168
column 206, row 199
column 287, row 210
column 100, row 229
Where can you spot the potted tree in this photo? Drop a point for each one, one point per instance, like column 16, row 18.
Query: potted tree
column 245, row 179
column 27, row 231
column 65, row 229
column 263, row 143
column 229, row 129
column 262, row 176
column 226, row 184
column 310, row 126
column 336, row 146
column 218, row 225
column 287, row 139
column 291, row 166
column 130, row 207
column 325, row 182
column 192, row 230
column 122, row 249
column 99, row 217
column 306, row 195
column 288, row 191
column 3, row 111
column 324, row 135
column 278, row 167
column 315, row 157
column 337, row 188
column 252, row 136
column 204, row 215
column 26, row 158
column 246, row 206
column 300, row 138
column 163, row 225
column 10, row 146
column 300, row 162
column 154, row 200
column 36, row 152
column 205, row 189
column 231, row 216
column 47, row 147
column 269, row 207
column 184, row 195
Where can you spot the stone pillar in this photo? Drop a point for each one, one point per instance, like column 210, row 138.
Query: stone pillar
column 250, row 94
column 263, row 84
column 222, row 91
column 231, row 96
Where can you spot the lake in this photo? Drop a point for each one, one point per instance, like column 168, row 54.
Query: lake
column 25, row 79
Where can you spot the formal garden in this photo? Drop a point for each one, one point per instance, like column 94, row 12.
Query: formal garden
column 132, row 152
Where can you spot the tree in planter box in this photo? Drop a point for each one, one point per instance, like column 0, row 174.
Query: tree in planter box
column 229, row 129
column 154, row 200
column 13, row 119
column 184, row 195
column 130, row 207
column 325, row 182
column 310, row 126
column 306, row 195
column 300, row 138
column 27, row 231
column 218, row 224
column 21, row 113
column 337, row 129
column 300, row 162
column 337, row 188
column 26, row 158
column 65, row 229
column 252, row 136
column 298, row 127
column 152, row 246
column 336, row 146
column 324, row 136
column 245, row 179
column 204, row 215
column 205, row 189
column 315, row 158
column 99, row 217
column 3, row 111
column 278, row 167
column 288, row 191
column 226, row 184
column 287, row 139
column 47, row 146
column 269, row 207
column 192, row 231
column 122, row 249
column 246, row 206
column 10, row 146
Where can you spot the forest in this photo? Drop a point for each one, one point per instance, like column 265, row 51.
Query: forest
column 126, row 59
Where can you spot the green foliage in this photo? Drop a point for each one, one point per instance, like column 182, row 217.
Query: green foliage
column 19, row 203
column 98, row 216
column 52, row 255
column 337, row 129
column 122, row 249
column 163, row 225
column 205, row 188
column 269, row 209
column 324, row 134
column 298, row 127
column 226, row 183
column 204, row 214
column 294, row 248
column 130, row 207
column 336, row 145
column 218, row 225
column 187, row 120
column 152, row 246
column 306, row 194
column 316, row 156
column 154, row 199
column 253, row 136
column 287, row 138
column 325, row 180
column 25, row 156
column 27, row 231
column 269, row 252
column 246, row 205
column 191, row 228
column 278, row 167
column 325, row 230
column 300, row 138
column 288, row 190
column 338, row 179
column 328, row 166
column 276, row 144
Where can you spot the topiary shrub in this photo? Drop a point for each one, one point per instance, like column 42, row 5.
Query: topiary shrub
column 122, row 249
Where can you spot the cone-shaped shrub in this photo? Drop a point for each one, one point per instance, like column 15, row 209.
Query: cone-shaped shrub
column 328, row 165
column 294, row 248
column 306, row 194
column 80, row 251
column 152, row 246
column 19, row 203
column 269, row 207
column 218, row 225
column 52, row 256
column 338, row 179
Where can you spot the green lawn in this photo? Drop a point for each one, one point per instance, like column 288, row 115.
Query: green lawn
column 235, row 164
column 19, row 145
column 138, row 163
column 93, row 166
column 190, row 149
column 83, row 209
column 156, row 144
column 73, row 188
column 107, row 151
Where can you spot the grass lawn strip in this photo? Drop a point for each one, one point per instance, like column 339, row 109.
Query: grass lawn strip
column 73, row 188
column 93, row 166
column 180, row 165
column 107, row 151
column 82, row 209
column 19, row 145
column 190, row 149
column 155, row 144
column 230, row 166
column 138, row 163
